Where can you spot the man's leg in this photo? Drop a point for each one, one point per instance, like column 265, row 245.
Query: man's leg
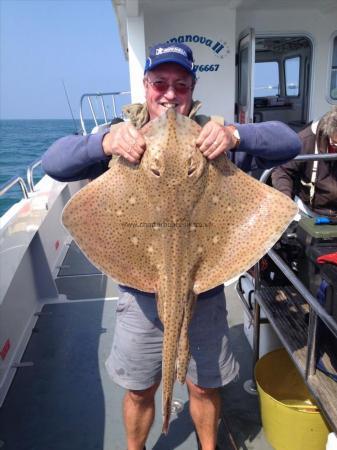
column 137, row 343
column 139, row 413
column 205, row 404
column 211, row 366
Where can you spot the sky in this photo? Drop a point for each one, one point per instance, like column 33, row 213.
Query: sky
column 43, row 42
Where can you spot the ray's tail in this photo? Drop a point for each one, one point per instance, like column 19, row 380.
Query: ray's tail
column 170, row 350
column 184, row 347
column 172, row 299
column 175, row 354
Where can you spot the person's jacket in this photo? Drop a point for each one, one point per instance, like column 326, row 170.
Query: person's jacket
column 262, row 145
column 294, row 178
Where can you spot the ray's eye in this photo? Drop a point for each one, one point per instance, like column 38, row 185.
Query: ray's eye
column 192, row 167
column 155, row 172
column 191, row 170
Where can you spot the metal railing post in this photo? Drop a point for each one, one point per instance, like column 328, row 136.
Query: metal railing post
column 12, row 182
column 310, row 367
column 30, row 174
column 99, row 97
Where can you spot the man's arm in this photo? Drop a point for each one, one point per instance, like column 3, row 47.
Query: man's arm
column 264, row 145
column 283, row 177
column 261, row 145
column 286, row 178
column 74, row 158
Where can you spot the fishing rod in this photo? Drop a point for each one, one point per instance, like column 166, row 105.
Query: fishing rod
column 71, row 111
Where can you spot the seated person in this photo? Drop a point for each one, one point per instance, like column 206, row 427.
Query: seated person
column 314, row 182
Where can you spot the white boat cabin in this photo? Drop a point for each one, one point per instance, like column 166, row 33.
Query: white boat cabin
column 256, row 60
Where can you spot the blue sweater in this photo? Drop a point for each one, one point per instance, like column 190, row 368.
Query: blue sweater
column 263, row 145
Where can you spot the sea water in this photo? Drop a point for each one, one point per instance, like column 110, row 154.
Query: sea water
column 21, row 143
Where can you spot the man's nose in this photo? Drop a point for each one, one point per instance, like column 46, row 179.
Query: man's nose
column 170, row 93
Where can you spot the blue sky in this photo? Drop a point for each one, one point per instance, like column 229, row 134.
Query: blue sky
column 45, row 41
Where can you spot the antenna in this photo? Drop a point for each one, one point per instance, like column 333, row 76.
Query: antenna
column 71, row 111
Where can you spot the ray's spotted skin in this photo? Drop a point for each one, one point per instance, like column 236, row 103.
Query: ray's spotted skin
column 176, row 225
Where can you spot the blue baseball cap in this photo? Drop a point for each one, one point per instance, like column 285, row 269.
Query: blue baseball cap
column 170, row 52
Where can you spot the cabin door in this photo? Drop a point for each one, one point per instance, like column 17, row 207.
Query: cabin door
column 246, row 61
column 274, row 79
column 282, row 79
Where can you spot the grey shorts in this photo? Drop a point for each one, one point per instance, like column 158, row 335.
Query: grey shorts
column 136, row 355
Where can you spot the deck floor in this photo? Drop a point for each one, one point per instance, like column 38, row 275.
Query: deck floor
column 66, row 401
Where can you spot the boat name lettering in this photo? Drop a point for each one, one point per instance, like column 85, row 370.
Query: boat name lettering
column 217, row 46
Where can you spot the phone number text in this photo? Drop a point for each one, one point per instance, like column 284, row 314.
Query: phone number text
column 206, row 67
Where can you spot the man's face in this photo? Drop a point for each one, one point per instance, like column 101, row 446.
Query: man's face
column 168, row 85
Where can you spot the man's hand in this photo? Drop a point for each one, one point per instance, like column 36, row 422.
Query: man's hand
column 124, row 140
column 215, row 139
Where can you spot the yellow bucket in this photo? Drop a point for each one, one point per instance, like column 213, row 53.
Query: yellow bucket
column 290, row 419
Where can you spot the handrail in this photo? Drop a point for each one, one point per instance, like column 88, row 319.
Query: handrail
column 304, row 291
column 12, row 182
column 30, row 177
column 302, row 158
column 99, row 96
column 21, row 182
column 320, row 157
column 316, row 309
column 30, row 169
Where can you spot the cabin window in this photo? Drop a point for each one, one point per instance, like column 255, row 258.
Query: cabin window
column 333, row 82
column 267, row 79
column 292, row 76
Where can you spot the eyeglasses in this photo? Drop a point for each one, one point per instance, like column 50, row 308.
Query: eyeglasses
column 162, row 86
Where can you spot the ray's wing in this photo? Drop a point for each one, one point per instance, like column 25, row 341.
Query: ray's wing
column 239, row 219
column 108, row 219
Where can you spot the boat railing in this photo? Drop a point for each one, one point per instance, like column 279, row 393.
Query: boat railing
column 27, row 187
column 90, row 98
column 11, row 183
column 302, row 158
column 104, row 101
column 30, row 174
column 302, row 342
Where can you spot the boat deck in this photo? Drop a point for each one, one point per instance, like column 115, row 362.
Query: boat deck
column 62, row 398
